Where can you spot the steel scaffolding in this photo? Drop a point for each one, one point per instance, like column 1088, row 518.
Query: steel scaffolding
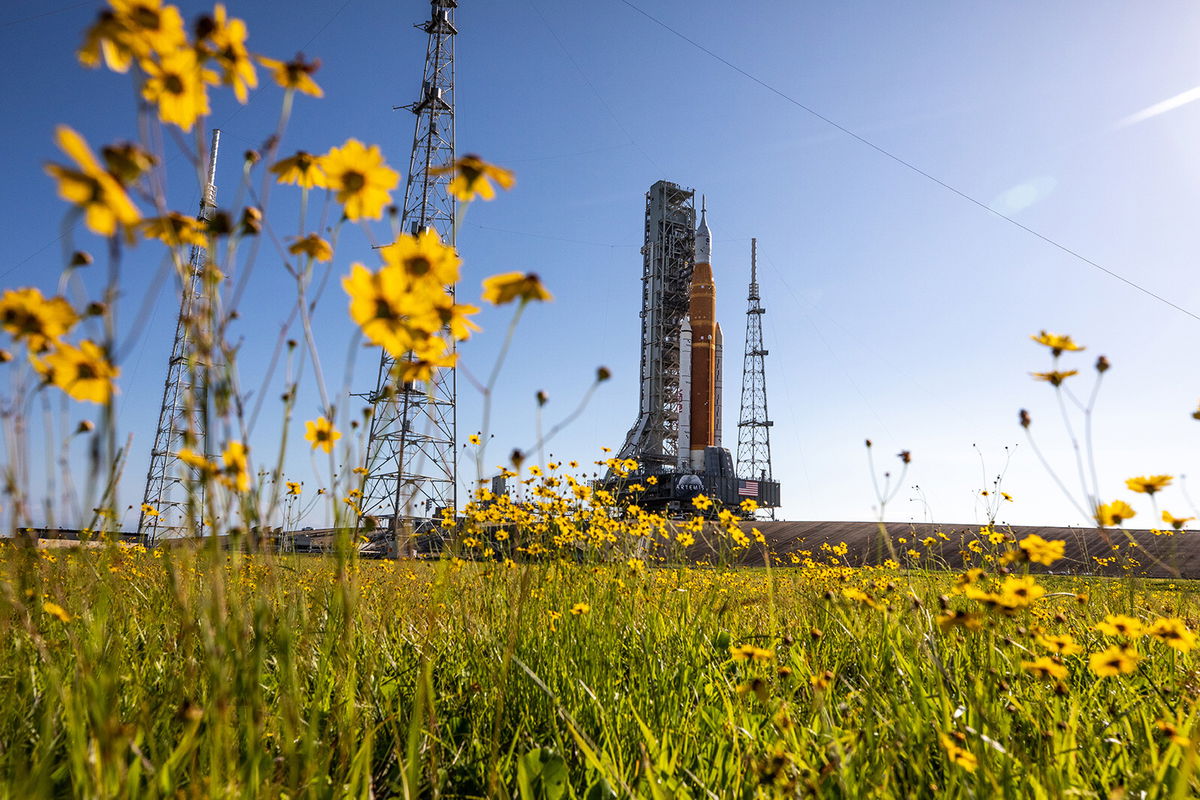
column 182, row 417
column 411, row 458
column 668, row 258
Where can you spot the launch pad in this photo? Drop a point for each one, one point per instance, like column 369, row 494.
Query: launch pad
column 676, row 440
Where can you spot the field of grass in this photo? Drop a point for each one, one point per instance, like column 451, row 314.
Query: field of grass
column 184, row 673
column 560, row 649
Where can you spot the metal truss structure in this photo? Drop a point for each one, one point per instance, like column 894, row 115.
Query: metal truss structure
column 411, row 459
column 182, row 416
column 754, row 425
column 668, row 259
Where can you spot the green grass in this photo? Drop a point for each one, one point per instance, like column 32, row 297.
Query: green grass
column 206, row 674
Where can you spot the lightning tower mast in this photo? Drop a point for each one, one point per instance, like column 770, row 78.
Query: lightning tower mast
column 411, row 450
column 181, row 418
column 754, row 426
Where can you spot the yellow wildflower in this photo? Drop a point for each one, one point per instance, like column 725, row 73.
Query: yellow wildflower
column 1055, row 377
column 1121, row 625
column 958, row 755
column 424, row 360
column 1149, row 484
column 132, row 29
column 176, row 84
column 176, row 230
column 293, row 488
column 96, row 191
column 1063, row 645
column 441, row 313
column 235, row 471
column 1116, row 660
column 1045, row 667
column 1174, row 633
column 312, row 246
column 224, row 39
column 702, row 502
column 1040, row 551
column 473, row 176
column 55, row 610
column 1057, row 343
column 1022, row 591
column 321, row 433
column 38, row 321
column 502, row 289
column 960, row 619
column 580, row 608
column 1175, row 522
column 149, row 510
column 1114, row 513
column 967, row 578
column 381, row 304
column 295, row 74
column 303, row 170
column 360, row 178
column 423, row 258
column 126, row 162
column 196, row 461
column 1172, row 733
column 83, row 372
column 749, row 652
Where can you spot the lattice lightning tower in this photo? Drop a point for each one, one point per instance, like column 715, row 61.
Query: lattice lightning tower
column 411, row 451
column 182, row 417
column 754, row 426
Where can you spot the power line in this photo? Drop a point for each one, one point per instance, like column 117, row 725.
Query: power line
column 567, row 52
column 908, row 164
column 51, row 13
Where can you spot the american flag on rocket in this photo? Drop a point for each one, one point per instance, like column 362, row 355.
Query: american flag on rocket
column 747, row 488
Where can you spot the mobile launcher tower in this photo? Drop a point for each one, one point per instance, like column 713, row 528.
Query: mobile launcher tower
column 677, row 436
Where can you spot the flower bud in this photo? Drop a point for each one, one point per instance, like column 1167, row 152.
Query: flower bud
column 251, row 221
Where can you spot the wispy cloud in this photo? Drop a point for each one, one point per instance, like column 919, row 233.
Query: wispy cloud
column 1170, row 104
column 1023, row 195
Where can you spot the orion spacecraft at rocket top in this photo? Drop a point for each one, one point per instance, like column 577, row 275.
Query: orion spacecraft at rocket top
column 677, row 436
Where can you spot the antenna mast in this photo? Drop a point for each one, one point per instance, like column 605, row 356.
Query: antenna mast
column 412, row 469
column 182, row 417
column 754, row 426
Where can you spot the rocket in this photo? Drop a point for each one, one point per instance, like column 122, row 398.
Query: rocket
column 702, row 336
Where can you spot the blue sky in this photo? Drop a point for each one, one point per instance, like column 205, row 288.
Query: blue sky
column 897, row 310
